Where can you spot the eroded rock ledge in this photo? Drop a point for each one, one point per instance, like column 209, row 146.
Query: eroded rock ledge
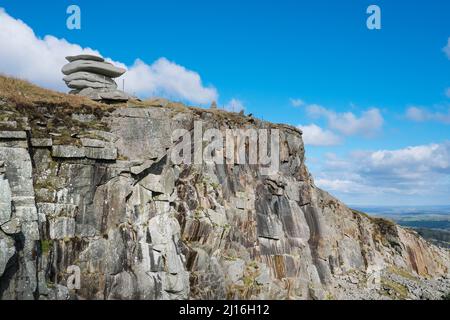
column 94, row 188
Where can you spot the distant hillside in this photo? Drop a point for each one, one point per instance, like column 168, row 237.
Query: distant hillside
column 437, row 236
column 431, row 222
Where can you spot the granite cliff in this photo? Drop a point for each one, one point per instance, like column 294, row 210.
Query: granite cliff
column 87, row 186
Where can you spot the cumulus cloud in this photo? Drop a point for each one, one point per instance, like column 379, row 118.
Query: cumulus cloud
column 447, row 48
column 168, row 79
column 314, row 135
column 410, row 164
column 347, row 123
column 39, row 60
column 416, row 114
column 24, row 55
column 416, row 170
column 296, row 102
column 235, row 105
column 340, row 185
column 420, row 114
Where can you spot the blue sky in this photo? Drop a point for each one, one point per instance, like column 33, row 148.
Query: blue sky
column 370, row 94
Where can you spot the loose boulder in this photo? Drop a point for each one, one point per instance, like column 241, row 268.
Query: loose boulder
column 82, row 84
column 104, row 94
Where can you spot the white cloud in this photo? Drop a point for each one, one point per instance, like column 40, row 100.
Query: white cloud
column 235, row 105
column 340, row 185
column 447, row 48
column 168, row 79
column 410, row 163
column 447, row 92
column 420, row 114
column 314, row 135
column 355, row 188
column 416, row 114
column 296, row 102
column 348, row 123
column 334, row 184
column 422, row 170
column 24, row 55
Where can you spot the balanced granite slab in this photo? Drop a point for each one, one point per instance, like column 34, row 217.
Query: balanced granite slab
column 82, row 84
column 88, row 76
column 102, row 68
column 85, row 57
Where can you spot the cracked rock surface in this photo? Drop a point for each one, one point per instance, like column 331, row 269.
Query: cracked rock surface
column 97, row 190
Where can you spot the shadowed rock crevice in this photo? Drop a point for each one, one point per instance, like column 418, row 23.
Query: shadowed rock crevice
column 11, row 269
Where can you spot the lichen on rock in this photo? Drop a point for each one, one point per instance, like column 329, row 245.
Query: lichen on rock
column 94, row 187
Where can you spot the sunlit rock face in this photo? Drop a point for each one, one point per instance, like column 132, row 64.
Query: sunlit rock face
column 98, row 191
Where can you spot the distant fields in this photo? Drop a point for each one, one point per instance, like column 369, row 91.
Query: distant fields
column 431, row 222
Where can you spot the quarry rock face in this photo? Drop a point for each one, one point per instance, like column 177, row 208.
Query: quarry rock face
column 92, row 77
column 106, row 200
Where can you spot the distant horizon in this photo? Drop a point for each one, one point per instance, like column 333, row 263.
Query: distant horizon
column 407, row 210
column 398, row 206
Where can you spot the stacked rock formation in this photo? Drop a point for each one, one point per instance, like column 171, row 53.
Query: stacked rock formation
column 92, row 77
